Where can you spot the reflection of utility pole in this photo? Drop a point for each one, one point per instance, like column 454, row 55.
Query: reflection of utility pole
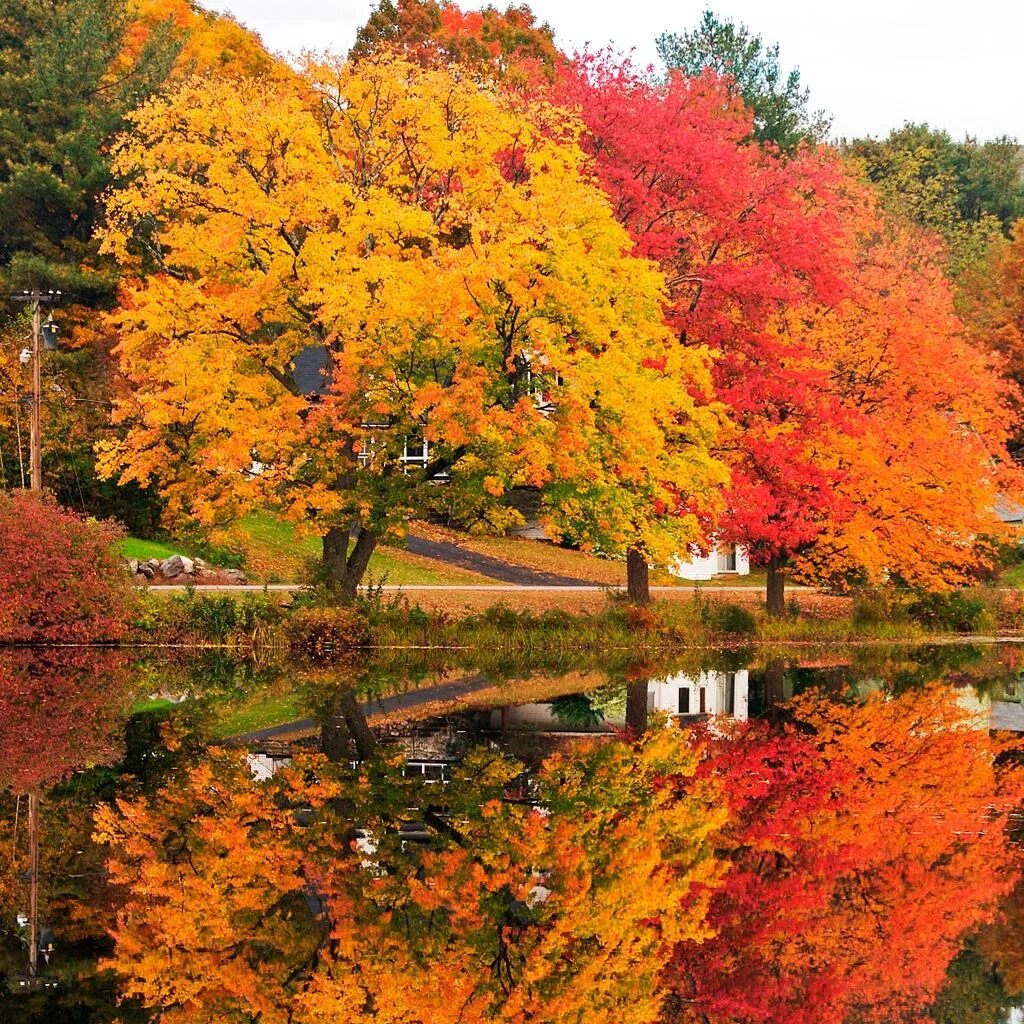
column 33, row 882
column 42, row 335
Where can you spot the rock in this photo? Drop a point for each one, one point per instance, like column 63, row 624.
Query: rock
column 205, row 572
column 133, row 566
column 146, row 570
column 235, row 576
column 177, row 565
column 201, row 564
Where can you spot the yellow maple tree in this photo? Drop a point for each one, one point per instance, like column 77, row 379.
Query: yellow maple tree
column 443, row 250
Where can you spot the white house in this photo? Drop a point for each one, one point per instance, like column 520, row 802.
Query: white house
column 721, row 559
column 678, row 696
column 709, row 693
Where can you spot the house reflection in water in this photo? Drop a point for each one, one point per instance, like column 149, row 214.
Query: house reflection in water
column 680, row 696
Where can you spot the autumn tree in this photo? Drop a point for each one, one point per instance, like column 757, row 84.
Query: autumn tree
column 923, row 464
column 866, row 839
column 438, row 32
column 442, row 250
column 306, row 899
column 753, row 72
column 741, row 235
column 61, row 579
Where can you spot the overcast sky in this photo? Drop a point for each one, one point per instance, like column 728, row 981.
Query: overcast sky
column 871, row 64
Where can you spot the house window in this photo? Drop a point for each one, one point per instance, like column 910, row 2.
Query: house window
column 703, row 700
column 684, row 700
column 727, row 559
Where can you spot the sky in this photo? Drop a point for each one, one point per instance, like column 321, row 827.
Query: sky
column 870, row 64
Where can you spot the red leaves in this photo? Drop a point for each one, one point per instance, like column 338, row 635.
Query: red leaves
column 60, row 580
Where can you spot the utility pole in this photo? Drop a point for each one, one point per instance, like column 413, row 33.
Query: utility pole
column 33, row 884
column 37, row 298
column 36, row 431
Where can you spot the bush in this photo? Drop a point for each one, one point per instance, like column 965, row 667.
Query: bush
column 325, row 631
column 60, row 578
column 956, row 612
column 735, row 619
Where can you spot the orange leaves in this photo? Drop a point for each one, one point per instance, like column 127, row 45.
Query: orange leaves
column 509, row 912
column 866, row 839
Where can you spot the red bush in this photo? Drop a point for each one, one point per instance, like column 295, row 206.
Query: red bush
column 60, row 580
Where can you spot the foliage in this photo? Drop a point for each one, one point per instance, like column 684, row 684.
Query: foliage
column 544, row 365
column 753, row 72
column 60, row 578
column 955, row 612
column 576, row 709
column 922, row 463
column 500, row 912
column 61, row 711
column 741, row 234
column 968, row 192
column 192, row 617
column 64, row 90
column 325, row 631
column 865, row 840
column 438, row 32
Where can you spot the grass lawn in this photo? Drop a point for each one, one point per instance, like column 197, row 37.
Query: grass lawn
column 261, row 712
column 143, row 550
column 276, row 553
column 1013, row 577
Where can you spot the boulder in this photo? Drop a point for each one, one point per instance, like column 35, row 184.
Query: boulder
column 235, row 576
column 177, row 565
column 146, row 570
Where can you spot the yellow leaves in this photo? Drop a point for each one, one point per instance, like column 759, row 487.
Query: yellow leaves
column 450, row 248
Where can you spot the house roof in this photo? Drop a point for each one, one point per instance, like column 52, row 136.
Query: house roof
column 1009, row 511
column 311, row 370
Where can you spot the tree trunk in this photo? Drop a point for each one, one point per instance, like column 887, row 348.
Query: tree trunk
column 777, row 586
column 346, row 723
column 774, row 683
column 638, row 577
column 636, row 707
column 344, row 570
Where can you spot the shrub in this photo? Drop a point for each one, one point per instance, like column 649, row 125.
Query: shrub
column 324, row 631
column 734, row 619
column 956, row 612
column 60, row 578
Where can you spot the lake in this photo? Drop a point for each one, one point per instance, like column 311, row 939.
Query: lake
column 806, row 835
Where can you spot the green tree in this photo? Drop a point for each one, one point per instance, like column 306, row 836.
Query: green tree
column 970, row 193
column 67, row 79
column 781, row 106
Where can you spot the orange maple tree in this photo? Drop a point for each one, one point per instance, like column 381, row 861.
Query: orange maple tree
column 866, row 840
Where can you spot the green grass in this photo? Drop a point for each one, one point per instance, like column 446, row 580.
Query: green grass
column 1014, row 576
column 261, row 712
column 275, row 552
column 143, row 550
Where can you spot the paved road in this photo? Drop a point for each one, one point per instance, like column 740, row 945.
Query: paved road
column 485, row 565
column 377, row 706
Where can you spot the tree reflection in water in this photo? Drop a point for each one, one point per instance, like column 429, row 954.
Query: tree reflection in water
column 840, row 860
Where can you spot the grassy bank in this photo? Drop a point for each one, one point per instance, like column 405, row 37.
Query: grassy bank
column 693, row 619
